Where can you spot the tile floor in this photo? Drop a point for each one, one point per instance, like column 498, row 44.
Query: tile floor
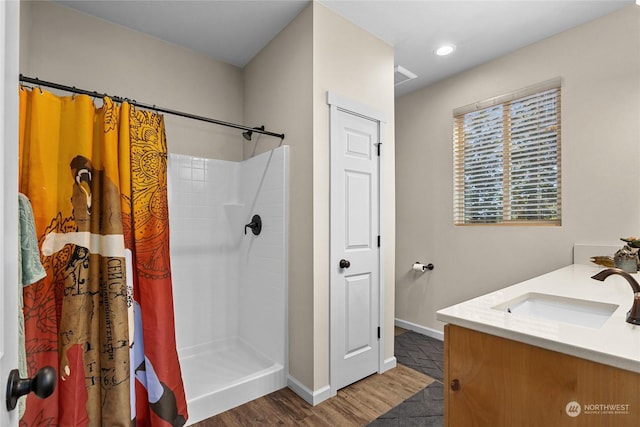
column 425, row 408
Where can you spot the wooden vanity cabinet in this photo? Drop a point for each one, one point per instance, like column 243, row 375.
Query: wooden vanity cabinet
column 492, row 381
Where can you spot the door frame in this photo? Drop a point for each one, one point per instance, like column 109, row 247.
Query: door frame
column 338, row 103
column 9, row 52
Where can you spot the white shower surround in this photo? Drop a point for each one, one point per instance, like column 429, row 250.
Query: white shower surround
column 230, row 289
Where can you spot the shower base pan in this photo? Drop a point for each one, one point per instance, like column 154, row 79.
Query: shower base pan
column 221, row 375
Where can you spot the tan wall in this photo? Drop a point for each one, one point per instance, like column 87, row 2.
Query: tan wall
column 286, row 87
column 65, row 46
column 278, row 94
column 600, row 67
column 355, row 65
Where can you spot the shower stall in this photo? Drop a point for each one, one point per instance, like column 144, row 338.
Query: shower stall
column 229, row 284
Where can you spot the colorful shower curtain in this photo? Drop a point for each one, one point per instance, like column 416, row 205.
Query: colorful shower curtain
column 103, row 315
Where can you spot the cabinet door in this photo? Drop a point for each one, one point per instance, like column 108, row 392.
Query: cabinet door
column 492, row 381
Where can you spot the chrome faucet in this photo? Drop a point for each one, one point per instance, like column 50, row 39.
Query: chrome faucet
column 633, row 316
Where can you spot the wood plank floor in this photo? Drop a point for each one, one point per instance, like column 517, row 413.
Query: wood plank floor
column 355, row 405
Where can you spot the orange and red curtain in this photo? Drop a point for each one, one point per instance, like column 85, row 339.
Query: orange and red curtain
column 103, row 315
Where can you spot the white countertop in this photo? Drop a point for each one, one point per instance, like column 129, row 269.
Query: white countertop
column 615, row 343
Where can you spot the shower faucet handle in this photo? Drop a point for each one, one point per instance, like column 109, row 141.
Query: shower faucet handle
column 255, row 225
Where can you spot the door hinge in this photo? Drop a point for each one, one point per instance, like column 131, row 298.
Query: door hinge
column 378, row 240
column 379, row 145
column 378, row 332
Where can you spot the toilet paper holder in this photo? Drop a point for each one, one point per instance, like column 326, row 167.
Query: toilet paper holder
column 418, row 266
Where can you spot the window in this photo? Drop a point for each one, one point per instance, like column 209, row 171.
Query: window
column 507, row 159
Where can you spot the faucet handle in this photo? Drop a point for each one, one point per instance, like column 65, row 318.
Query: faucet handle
column 255, row 225
column 633, row 316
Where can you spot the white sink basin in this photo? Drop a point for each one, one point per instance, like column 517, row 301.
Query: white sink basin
column 591, row 314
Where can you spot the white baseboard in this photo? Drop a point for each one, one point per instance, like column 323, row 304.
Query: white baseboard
column 311, row 397
column 389, row 363
column 420, row 329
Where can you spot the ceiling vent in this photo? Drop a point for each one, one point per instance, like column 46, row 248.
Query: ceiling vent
column 401, row 75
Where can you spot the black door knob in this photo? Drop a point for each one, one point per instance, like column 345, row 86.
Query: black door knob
column 344, row 263
column 42, row 385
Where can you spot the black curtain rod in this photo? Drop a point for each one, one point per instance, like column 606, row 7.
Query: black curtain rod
column 74, row 89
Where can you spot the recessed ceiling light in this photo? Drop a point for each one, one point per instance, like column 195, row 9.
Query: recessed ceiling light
column 445, row 49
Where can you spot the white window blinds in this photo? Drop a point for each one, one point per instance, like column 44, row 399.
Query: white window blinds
column 507, row 159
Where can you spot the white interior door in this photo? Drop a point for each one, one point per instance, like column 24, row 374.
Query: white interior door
column 355, row 254
column 9, row 34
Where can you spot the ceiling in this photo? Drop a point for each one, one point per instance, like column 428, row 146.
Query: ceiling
column 235, row 31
